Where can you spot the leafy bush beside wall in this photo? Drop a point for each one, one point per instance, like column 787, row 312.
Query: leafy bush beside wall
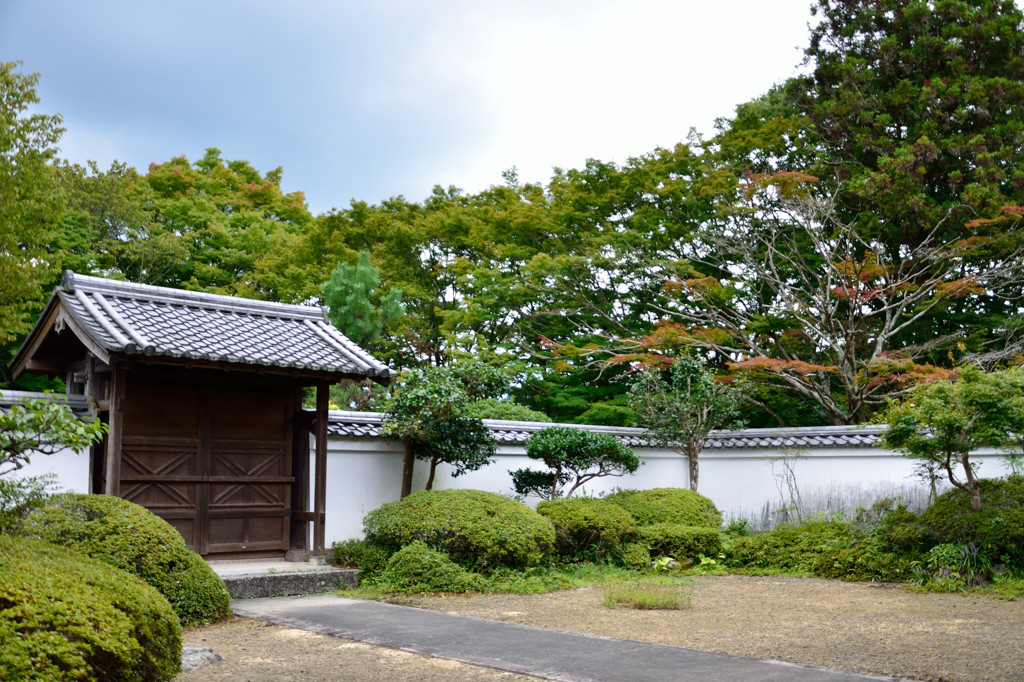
column 668, row 505
column 588, row 528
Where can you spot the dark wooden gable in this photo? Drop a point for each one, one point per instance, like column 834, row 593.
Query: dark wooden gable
column 203, row 397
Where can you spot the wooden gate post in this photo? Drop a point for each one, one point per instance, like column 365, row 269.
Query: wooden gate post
column 320, row 470
column 112, row 470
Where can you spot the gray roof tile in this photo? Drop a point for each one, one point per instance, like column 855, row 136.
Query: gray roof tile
column 139, row 319
column 345, row 424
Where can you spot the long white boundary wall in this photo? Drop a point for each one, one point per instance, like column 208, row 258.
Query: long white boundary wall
column 747, row 474
column 750, row 483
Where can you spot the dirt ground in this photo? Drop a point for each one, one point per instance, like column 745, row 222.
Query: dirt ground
column 861, row 627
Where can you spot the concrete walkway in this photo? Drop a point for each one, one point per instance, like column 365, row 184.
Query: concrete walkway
column 544, row 653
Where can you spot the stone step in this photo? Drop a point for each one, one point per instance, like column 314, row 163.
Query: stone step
column 246, row 580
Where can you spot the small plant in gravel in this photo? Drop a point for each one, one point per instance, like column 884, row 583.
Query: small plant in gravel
column 673, row 594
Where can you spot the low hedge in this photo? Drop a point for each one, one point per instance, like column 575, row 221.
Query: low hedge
column 65, row 616
column 477, row 529
column 130, row 537
column 416, row 569
column 830, row 549
column 682, row 543
column 668, row 505
column 588, row 528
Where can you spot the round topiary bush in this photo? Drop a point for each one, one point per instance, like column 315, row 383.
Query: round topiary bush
column 132, row 538
column 997, row 528
column 682, row 543
column 668, row 505
column 476, row 529
column 588, row 528
column 416, row 568
column 64, row 616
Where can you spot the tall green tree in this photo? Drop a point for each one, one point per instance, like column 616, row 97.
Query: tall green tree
column 29, row 200
column 918, row 109
column 238, row 224
column 109, row 228
column 681, row 405
column 356, row 304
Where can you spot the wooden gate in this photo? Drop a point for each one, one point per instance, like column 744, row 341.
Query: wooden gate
column 216, row 464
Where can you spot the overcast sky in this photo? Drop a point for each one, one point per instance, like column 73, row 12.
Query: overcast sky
column 372, row 100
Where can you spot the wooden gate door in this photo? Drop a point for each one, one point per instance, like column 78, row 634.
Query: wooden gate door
column 214, row 463
column 249, row 483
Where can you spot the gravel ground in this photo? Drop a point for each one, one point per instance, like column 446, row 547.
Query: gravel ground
column 862, row 627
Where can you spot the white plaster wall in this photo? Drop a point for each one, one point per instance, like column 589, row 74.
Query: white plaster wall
column 749, row 483
column 69, row 469
column 363, row 474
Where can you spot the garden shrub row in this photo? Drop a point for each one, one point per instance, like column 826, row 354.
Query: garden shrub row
column 478, row 530
column 947, row 543
column 485, row 532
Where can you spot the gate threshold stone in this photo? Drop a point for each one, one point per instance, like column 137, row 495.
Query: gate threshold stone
column 253, row 578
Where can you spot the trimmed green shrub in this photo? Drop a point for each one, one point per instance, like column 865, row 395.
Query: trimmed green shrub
column 495, row 408
column 476, row 529
column 130, row 537
column 668, row 505
column 369, row 557
column 683, row 543
column 416, row 569
column 588, row 528
column 997, row 529
column 64, row 616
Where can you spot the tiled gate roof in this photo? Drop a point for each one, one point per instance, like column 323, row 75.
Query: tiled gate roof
column 140, row 319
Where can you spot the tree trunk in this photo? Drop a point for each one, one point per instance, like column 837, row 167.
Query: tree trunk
column 407, row 464
column 430, row 478
column 975, row 497
column 693, row 464
column 973, row 487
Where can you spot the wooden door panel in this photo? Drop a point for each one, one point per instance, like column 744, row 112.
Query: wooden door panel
column 162, row 475
column 215, row 464
column 249, row 473
column 161, row 411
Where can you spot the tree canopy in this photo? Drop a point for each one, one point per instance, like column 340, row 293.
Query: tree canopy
column 852, row 231
column 943, row 422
